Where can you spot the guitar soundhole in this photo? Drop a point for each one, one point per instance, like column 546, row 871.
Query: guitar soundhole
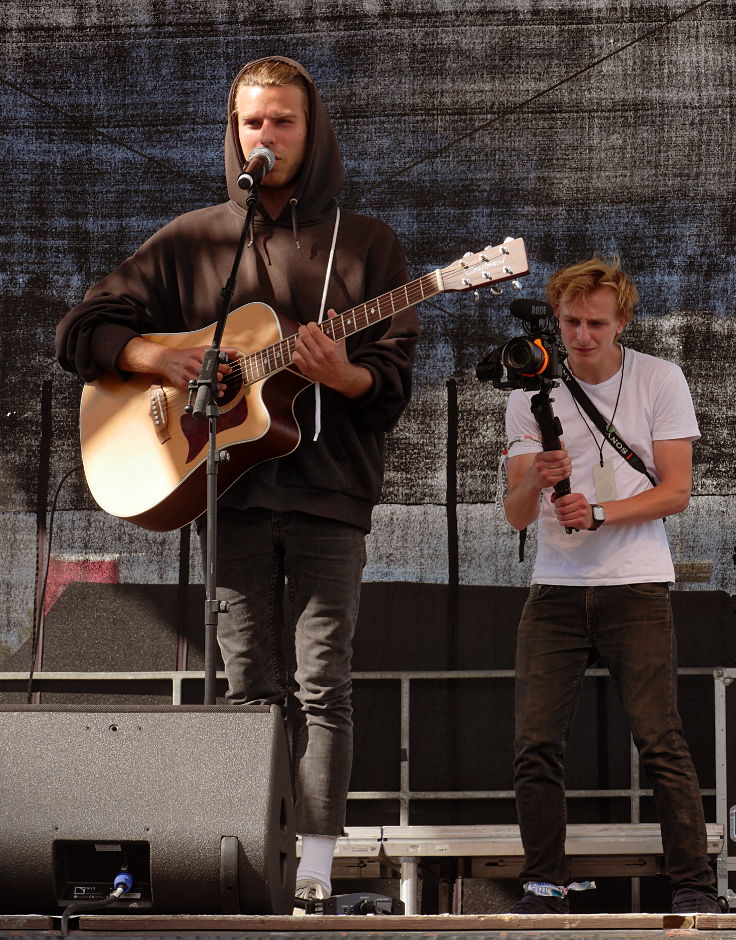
column 233, row 385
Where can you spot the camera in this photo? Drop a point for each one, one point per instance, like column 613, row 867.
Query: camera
column 525, row 361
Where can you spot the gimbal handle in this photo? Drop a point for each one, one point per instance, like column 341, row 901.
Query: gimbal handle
column 551, row 430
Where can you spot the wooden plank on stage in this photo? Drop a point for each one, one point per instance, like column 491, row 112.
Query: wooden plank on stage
column 25, row 922
column 436, row 924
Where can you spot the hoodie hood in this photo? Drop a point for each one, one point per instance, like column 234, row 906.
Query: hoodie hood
column 321, row 176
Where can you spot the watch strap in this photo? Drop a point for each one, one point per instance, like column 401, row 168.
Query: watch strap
column 597, row 523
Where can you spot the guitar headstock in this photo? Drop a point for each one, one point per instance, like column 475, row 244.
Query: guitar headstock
column 490, row 266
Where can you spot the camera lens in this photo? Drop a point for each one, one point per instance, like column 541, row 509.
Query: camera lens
column 524, row 356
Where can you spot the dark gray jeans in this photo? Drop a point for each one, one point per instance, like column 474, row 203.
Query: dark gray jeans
column 293, row 584
column 630, row 627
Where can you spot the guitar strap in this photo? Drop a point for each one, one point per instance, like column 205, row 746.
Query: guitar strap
column 317, row 387
column 610, row 434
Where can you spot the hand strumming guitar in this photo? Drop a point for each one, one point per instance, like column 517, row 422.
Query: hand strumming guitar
column 177, row 366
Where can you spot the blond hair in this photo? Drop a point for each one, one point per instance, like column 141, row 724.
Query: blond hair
column 576, row 281
column 272, row 72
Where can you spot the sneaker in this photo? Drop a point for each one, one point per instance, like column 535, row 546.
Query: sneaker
column 692, row 901
column 306, row 896
column 532, row 903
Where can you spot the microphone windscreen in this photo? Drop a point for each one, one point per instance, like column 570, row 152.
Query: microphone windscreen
column 266, row 154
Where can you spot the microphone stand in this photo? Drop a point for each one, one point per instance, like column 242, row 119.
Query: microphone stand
column 204, row 392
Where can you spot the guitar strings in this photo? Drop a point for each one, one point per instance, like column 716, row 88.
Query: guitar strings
column 267, row 361
column 270, row 359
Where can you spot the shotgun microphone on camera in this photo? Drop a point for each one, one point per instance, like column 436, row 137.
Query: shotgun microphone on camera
column 530, row 309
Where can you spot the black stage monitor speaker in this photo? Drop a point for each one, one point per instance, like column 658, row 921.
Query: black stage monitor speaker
column 195, row 802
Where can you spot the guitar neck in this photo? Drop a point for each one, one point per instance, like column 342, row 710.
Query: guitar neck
column 270, row 359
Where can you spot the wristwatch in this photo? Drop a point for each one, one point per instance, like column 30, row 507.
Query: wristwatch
column 599, row 517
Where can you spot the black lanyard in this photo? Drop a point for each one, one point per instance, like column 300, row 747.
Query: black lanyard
column 606, row 428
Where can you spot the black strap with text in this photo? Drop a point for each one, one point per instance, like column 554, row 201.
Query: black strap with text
column 613, row 438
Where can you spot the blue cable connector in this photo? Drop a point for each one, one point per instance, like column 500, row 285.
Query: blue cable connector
column 123, row 880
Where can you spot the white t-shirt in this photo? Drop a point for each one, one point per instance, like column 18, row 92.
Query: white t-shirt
column 655, row 405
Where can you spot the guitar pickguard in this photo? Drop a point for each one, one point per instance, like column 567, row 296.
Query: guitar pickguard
column 196, row 430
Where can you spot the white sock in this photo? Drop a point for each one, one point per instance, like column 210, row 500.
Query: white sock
column 316, row 861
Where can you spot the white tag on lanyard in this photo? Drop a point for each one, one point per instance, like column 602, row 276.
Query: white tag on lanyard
column 605, row 482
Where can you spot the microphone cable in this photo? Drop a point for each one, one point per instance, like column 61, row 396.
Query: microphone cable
column 39, row 614
column 122, row 885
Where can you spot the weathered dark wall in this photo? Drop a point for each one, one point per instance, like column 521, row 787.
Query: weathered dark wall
column 113, row 118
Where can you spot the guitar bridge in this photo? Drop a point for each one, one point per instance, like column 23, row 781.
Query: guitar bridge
column 159, row 412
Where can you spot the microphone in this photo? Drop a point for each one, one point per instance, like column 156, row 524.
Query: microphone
column 530, row 309
column 260, row 161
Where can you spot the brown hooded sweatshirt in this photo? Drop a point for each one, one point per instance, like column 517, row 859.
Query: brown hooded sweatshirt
column 172, row 283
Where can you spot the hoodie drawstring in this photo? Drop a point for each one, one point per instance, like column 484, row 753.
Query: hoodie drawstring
column 317, row 390
column 294, row 203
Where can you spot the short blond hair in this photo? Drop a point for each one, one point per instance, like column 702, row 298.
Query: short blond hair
column 576, row 281
column 272, row 72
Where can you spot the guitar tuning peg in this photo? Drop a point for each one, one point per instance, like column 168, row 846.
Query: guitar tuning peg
column 467, row 254
column 507, row 240
column 495, row 290
column 476, row 296
column 516, row 284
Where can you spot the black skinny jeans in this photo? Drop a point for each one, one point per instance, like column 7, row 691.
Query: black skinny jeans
column 630, row 627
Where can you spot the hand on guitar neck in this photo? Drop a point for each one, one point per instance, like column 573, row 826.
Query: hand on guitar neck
column 321, row 359
column 176, row 366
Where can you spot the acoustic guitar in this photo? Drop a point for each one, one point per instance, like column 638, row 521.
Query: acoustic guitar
column 145, row 457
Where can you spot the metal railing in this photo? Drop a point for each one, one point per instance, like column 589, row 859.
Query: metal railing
column 175, row 681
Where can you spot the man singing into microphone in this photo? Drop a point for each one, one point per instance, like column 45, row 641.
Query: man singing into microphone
column 602, row 589
column 292, row 530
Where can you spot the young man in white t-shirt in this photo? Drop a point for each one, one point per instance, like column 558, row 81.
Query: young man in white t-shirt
column 602, row 590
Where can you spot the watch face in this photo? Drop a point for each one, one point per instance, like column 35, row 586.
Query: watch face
column 599, row 513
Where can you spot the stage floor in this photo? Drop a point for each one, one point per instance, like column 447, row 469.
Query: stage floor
column 427, row 927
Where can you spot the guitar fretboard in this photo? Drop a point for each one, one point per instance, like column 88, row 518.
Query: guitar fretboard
column 270, row 359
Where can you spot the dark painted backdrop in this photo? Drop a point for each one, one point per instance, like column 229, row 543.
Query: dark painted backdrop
column 582, row 125
column 489, row 119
